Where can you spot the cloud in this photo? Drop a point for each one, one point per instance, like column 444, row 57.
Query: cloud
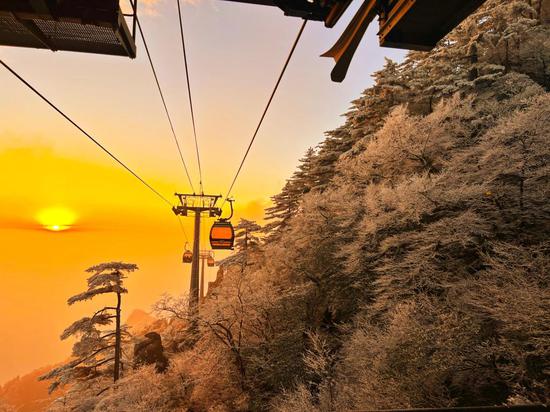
column 152, row 7
column 192, row 2
column 253, row 210
column 145, row 7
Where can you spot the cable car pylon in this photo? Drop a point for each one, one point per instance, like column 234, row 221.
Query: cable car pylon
column 196, row 205
column 206, row 256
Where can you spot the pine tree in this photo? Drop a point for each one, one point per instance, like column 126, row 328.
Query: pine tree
column 97, row 349
column 335, row 144
column 515, row 37
column 286, row 203
column 245, row 237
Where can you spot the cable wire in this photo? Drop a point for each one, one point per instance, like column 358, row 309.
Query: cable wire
column 266, row 109
column 85, row 133
column 164, row 103
column 183, row 229
column 189, row 94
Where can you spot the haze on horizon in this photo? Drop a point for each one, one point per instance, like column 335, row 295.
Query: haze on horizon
column 53, row 178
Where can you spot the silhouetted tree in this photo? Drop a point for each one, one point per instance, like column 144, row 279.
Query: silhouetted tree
column 246, row 234
column 97, row 350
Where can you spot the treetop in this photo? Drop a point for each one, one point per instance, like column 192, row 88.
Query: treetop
column 113, row 266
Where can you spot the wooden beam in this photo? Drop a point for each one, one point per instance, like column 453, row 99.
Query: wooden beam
column 336, row 12
column 344, row 49
column 396, row 13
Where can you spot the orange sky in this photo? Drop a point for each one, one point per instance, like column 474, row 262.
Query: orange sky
column 236, row 52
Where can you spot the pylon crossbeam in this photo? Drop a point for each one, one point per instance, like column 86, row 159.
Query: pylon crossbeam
column 197, row 204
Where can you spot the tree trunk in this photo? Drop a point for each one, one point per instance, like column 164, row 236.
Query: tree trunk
column 507, row 58
column 474, row 73
column 116, row 373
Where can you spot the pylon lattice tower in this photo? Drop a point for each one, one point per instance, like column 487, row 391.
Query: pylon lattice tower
column 196, row 205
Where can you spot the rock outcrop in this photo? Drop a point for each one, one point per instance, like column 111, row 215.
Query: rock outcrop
column 151, row 352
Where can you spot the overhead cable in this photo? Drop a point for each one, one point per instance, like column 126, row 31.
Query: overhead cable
column 266, row 109
column 190, row 96
column 164, row 104
column 85, row 133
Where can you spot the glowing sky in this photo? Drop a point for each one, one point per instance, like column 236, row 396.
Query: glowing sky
column 51, row 177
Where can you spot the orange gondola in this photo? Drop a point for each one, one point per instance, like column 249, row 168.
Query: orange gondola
column 222, row 235
column 187, row 255
column 210, row 261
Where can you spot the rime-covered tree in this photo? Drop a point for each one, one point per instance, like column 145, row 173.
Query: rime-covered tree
column 246, row 234
column 98, row 351
column 504, row 36
column 286, row 203
column 329, row 151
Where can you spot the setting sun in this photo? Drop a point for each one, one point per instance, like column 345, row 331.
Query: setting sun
column 56, row 219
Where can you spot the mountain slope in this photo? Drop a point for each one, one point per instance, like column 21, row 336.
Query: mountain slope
column 27, row 394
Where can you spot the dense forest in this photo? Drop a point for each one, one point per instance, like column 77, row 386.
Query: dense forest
column 405, row 263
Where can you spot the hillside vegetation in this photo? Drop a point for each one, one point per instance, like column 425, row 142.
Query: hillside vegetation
column 406, row 261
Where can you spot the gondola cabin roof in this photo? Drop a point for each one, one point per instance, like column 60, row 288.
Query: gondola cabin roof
column 404, row 24
column 187, row 256
column 89, row 26
column 420, row 24
column 328, row 11
column 407, row 24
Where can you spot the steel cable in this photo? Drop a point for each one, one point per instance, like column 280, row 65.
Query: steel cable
column 190, row 96
column 265, row 110
column 90, row 137
column 164, row 104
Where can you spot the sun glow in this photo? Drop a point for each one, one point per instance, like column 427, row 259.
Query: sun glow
column 56, row 219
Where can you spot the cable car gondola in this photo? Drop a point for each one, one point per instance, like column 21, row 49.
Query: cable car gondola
column 88, row 26
column 187, row 255
column 222, row 234
column 210, row 261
